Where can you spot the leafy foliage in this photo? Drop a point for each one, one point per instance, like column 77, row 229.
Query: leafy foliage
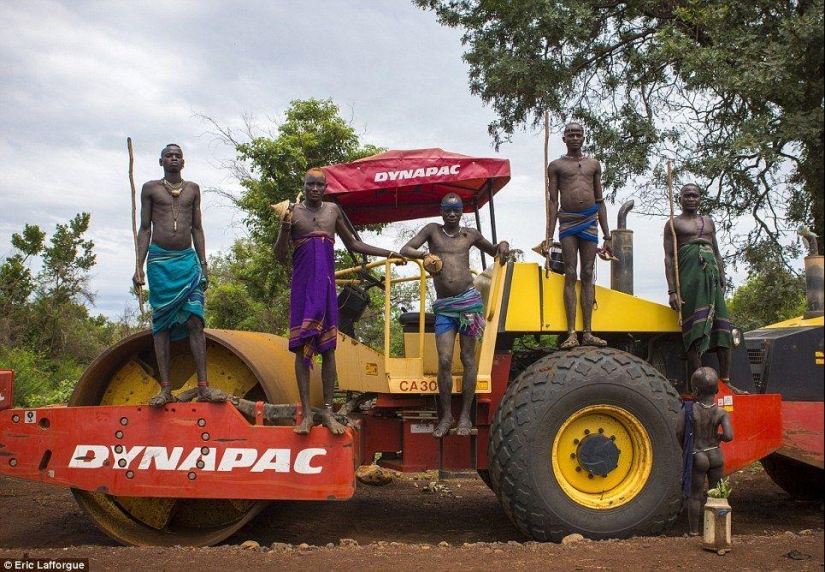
column 370, row 328
column 730, row 91
column 243, row 292
column 771, row 293
column 38, row 380
column 722, row 489
column 46, row 332
column 249, row 289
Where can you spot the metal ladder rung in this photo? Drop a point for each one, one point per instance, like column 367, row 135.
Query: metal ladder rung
column 454, row 431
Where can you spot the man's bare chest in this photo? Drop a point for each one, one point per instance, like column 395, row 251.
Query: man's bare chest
column 313, row 219
column 690, row 228
column 164, row 200
column 573, row 172
column 457, row 242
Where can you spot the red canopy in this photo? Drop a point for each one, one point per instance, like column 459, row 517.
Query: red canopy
column 406, row 185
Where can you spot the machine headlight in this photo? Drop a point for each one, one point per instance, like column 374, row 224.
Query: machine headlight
column 736, row 334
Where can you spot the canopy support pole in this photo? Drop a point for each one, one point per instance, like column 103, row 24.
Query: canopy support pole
column 492, row 211
column 478, row 227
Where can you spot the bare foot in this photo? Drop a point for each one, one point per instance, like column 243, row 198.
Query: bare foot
column 304, row 426
column 443, row 427
column 328, row 421
column 589, row 339
column 464, row 427
column 571, row 342
column 206, row 393
column 165, row 396
column 734, row 389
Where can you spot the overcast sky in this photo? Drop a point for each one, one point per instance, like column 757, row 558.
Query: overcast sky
column 78, row 77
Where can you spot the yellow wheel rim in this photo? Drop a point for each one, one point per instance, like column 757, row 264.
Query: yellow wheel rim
column 621, row 484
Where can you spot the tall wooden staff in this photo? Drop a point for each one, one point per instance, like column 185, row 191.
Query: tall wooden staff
column 548, row 240
column 138, row 287
column 675, row 242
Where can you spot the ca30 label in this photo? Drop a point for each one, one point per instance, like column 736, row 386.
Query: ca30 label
column 419, row 386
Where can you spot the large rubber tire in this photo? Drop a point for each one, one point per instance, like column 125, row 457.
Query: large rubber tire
column 799, row 480
column 546, row 415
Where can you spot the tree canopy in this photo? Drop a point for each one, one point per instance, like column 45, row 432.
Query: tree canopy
column 731, row 92
column 46, row 333
column 771, row 293
column 249, row 289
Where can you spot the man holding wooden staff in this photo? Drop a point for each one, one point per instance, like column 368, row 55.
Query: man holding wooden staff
column 170, row 224
column 694, row 263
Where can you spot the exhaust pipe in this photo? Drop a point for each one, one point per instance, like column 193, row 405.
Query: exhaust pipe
column 814, row 276
column 621, row 270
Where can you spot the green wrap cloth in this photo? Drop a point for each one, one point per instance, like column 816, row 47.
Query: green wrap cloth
column 175, row 289
column 705, row 320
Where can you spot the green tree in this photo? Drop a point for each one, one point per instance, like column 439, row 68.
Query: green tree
column 66, row 263
column 249, row 289
column 60, row 317
column 730, row 91
column 47, row 311
column 238, row 296
column 770, row 294
column 17, row 284
column 46, row 333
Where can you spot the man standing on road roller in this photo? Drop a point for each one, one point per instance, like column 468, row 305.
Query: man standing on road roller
column 458, row 306
column 170, row 224
column 701, row 299
column 576, row 203
column 313, row 312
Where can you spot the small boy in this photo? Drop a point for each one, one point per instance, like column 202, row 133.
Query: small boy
column 698, row 431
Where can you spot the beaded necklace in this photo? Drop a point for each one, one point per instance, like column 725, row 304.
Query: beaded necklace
column 175, row 192
column 451, row 235
column 577, row 159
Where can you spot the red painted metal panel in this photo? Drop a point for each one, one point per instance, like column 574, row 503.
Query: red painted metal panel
column 488, row 404
column 6, row 388
column 757, row 427
column 802, row 424
column 192, row 450
column 420, row 448
column 395, row 401
column 457, row 453
column 499, row 378
column 379, row 435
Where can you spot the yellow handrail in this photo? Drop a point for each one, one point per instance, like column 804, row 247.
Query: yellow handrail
column 422, row 295
column 388, row 282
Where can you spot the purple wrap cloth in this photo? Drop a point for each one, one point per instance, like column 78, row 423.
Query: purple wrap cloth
column 313, row 313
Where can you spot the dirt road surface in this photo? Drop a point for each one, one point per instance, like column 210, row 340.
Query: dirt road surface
column 401, row 527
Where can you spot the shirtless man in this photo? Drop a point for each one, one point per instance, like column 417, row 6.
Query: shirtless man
column 170, row 224
column 705, row 323
column 697, row 429
column 577, row 181
column 458, row 306
column 313, row 315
